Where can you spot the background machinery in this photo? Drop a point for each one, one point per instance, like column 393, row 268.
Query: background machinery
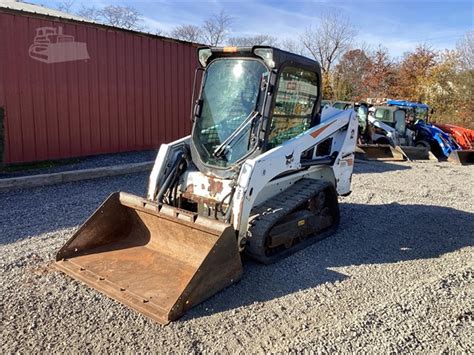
column 442, row 140
column 366, row 148
column 362, row 111
column 380, row 140
column 464, row 137
column 439, row 142
column 260, row 174
column 387, row 136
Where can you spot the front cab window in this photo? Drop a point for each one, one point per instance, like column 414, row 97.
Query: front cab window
column 294, row 105
column 229, row 99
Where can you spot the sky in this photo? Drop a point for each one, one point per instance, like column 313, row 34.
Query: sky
column 397, row 25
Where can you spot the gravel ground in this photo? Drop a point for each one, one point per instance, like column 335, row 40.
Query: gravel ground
column 396, row 277
column 95, row 161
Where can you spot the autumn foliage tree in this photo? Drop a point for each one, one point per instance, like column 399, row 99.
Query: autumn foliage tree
column 350, row 75
column 380, row 78
column 465, row 80
column 414, row 70
column 438, row 87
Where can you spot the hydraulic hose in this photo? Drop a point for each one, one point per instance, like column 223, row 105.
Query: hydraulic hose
column 228, row 210
column 170, row 178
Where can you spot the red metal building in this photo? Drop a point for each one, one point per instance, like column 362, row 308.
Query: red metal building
column 70, row 88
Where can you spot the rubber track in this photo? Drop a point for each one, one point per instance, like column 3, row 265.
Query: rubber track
column 267, row 214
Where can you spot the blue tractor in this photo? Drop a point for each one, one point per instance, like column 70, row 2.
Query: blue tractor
column 427, row 135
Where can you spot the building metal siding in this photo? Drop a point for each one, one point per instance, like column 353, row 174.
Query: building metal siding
column 134, row 92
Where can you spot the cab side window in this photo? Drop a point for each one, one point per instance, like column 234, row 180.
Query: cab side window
column 400, row 124
column 383, row 115
column 296, row 95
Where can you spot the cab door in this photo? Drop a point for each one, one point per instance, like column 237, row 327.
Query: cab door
column 294, row 106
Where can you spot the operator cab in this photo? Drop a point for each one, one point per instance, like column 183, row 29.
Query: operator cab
column 415, row 110
column 252, row 99
column 343, row 105
column 392, row 116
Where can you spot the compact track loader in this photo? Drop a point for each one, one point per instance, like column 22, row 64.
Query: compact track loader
column 388, row 137
column 260, row 174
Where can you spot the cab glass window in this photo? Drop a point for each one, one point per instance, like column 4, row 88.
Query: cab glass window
column 294, row 103
column 421, row 113
column 342, row 105
column 362, row 114
column 400, row 123
column 229, row 97
column 383, row 115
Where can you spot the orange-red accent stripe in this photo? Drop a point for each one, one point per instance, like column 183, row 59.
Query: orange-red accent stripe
column 318, row 131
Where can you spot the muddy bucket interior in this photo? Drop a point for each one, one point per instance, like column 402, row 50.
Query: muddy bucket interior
column 359, row 153
column 382, row 152
column 417, row 153
column 159, row 261
column 462, row 157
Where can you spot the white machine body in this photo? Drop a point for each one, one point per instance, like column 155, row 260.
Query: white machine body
column 259, row 179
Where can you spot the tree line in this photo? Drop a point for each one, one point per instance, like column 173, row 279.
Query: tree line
column 442, row 79
column 351, row 71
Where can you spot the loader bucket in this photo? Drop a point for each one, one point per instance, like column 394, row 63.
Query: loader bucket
column 462, row 157
column 360, row 153
column 382, row 152
column 417, row 153
column 160, row 261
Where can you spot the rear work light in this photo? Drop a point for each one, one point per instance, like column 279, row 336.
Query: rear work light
column 203, row 56
column 230, row 49
column 266, row 54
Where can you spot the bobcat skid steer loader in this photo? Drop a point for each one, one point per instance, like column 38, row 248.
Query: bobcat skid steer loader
column 390, row 138
column 260, row 174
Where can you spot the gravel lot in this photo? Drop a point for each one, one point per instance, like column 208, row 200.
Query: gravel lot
column 397, row 276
